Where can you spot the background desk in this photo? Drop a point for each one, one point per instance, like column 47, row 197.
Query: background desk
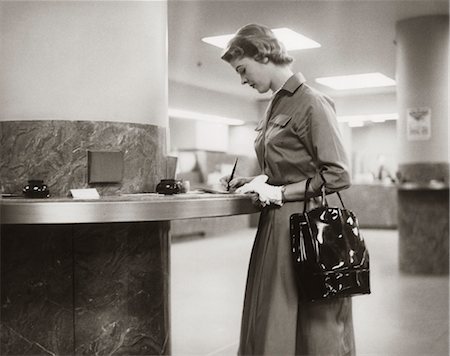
column 375, row 205
column 92, row 277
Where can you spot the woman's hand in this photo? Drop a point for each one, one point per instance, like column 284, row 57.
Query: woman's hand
column 256, row 201
column 267, row 193
column 235, row 182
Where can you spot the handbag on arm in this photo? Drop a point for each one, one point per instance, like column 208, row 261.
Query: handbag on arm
column 329, row 253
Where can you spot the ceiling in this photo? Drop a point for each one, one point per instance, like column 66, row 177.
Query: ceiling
column 356, row 37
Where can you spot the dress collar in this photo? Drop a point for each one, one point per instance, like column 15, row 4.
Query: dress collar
column 293, row 82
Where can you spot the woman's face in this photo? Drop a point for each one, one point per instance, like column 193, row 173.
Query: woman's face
column 253, row 73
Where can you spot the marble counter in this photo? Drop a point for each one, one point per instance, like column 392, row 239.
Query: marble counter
column 93, row 277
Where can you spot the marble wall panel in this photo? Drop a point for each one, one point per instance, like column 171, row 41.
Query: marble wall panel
column 121, row 289
column 36, row 290
column 56, row 151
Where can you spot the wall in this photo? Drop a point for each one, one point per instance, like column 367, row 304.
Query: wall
column 242, row 140
column 182, row 134
column 373, row 146
column 189, row 97
column 366, row 104
column 101, row 61
column 192, row 134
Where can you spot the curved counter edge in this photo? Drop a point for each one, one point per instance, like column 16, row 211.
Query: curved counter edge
column 66, row 211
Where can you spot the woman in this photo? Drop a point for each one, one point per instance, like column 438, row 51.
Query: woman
column 299, row 138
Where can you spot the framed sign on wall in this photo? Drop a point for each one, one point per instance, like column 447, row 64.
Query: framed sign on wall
column 418, row 123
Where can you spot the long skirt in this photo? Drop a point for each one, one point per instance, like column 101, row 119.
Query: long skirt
column 274, row 321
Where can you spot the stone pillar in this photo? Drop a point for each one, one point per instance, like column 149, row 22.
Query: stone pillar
column 422, row 95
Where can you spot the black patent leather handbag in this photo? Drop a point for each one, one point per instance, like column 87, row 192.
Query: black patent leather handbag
column 329, row 253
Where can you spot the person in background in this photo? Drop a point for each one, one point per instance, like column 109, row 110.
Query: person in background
column 297, row 139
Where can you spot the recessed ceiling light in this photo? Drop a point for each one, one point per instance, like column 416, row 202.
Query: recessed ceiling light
column 192, row 115
column 291, row 39
column 357, row 81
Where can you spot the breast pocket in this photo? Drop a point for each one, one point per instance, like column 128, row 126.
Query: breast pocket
column 277, row 126
column 280, row 120
column 260, row 125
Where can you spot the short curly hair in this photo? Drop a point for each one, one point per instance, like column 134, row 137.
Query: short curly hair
column 257, row 42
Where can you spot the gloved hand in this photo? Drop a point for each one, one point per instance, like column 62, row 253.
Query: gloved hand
column 268, row 194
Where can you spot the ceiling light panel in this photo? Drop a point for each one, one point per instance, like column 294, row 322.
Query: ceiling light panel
column 291, row 39
column 218, row 41
column 357, row 81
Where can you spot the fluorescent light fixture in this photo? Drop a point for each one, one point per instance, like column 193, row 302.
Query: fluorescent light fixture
column 357, row 81
column 291, row 39
column 353, row 120
column 192, row 115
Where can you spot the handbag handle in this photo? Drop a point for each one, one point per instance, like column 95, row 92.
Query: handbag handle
column 306, row 199
column 322, row 188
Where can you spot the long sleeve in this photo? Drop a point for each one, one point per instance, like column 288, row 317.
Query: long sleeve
column 325, row 144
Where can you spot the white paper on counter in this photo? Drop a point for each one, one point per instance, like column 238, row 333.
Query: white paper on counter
column 88, row 193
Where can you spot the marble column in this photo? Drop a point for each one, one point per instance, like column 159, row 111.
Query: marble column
column 422, row 95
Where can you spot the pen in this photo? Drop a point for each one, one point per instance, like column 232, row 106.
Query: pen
column 232, row 173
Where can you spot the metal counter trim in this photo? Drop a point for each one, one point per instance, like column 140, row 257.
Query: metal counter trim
column 66, row 211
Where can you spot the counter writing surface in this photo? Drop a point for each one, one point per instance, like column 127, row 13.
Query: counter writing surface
column 123, row 208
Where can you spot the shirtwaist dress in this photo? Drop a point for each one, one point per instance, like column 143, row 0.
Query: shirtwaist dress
column 298, row 138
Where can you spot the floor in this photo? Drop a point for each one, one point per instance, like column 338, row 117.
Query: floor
column 404, row 316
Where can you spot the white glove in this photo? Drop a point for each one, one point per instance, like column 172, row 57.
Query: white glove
column 268, row 194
